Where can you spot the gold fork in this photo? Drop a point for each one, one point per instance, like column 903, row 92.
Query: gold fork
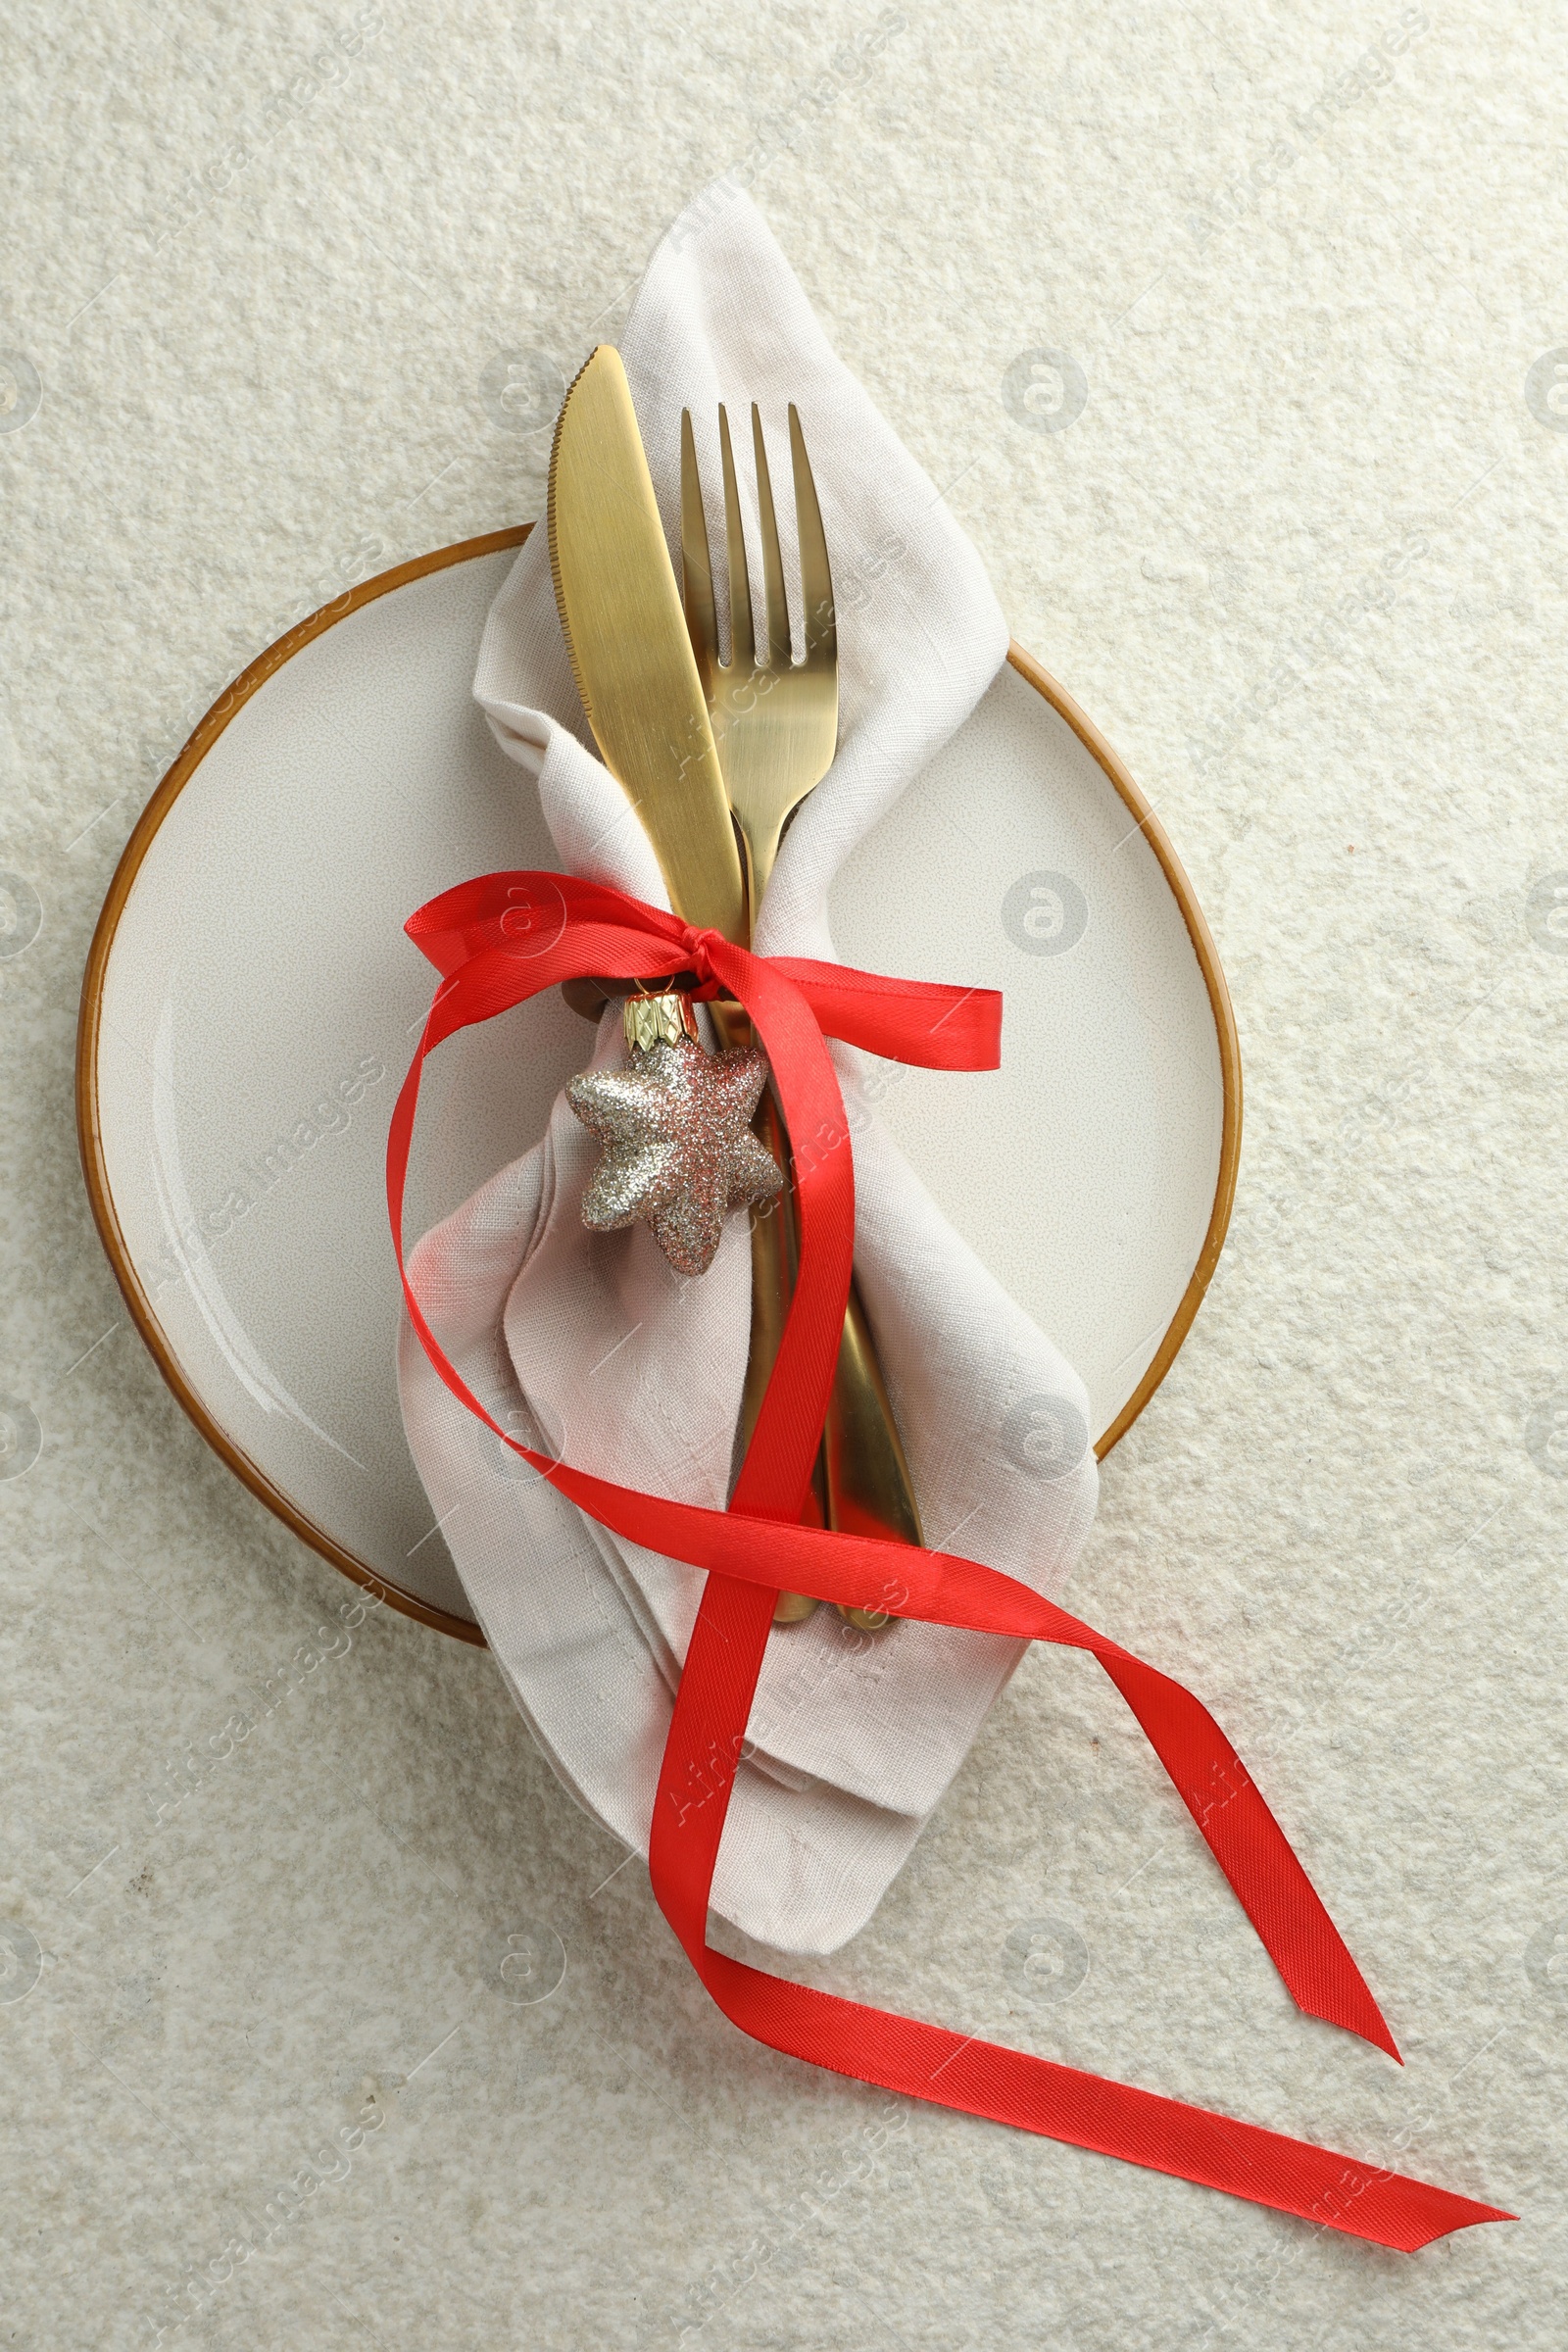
column 775, row 725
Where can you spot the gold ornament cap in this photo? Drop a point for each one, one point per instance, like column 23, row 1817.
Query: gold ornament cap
column 666, row 1021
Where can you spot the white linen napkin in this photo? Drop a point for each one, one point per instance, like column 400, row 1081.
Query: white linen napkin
column 591, row 1343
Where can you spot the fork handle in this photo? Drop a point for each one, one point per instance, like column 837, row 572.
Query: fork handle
column 869, row 1491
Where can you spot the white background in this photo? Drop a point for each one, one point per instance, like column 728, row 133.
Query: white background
column 277, row 287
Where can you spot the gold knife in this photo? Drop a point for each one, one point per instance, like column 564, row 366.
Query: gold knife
column 625, row 629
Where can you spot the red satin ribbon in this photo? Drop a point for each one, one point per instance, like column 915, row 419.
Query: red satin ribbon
column 504, row 938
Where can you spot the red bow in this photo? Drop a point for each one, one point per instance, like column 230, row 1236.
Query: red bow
column 504, row 938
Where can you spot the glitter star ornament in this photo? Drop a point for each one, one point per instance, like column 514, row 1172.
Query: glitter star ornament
column 675, row 1123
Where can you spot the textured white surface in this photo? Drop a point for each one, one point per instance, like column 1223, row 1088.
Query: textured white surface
column 1342, row 1518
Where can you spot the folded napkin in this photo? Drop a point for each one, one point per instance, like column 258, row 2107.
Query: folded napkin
column 591, row 1347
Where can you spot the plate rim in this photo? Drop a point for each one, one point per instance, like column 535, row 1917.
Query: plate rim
column 89, row 1135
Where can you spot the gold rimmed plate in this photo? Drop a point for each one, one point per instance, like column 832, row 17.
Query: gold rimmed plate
column 250, row 1005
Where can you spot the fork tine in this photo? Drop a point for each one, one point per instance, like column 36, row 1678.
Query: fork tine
column 742, row 641
column 817, row 579
column 696, row 563
column 778, row 612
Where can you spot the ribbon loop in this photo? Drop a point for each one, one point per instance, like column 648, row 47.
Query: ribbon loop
column 503, row 938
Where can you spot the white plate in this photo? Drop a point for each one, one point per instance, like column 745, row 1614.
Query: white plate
column 251, row 1003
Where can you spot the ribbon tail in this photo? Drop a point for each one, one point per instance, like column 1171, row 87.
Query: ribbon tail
column 962, row 2072
column 1291, row 1921
column 1090, row 2111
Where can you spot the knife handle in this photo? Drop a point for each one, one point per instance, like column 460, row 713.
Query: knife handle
column 775, row 1257
column 861, row 1484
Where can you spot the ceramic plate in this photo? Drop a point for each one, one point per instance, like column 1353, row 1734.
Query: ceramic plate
column 251, row 1003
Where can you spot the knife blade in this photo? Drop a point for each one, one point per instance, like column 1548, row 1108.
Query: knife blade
column 625, row 631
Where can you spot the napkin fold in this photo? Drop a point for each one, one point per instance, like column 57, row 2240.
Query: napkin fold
column 589, row 1346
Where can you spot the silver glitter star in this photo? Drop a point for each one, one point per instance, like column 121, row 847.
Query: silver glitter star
column 679, row 1153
